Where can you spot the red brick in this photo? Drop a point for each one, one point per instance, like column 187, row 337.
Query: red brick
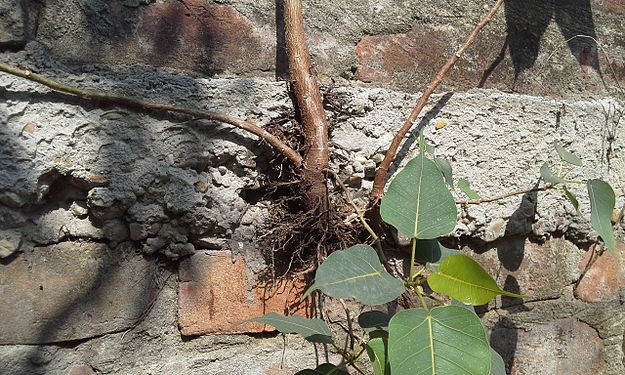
column 380, row 57
column 565, row 346
column 602, row 281
column 198, row 36
column 217, row 294
column 614, row 6
column 540, row 271
column 72, row 291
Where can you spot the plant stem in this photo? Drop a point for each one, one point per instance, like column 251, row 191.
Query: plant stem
column 309, row 103
column 380, row 176
column 504, row 196
column 144, row 105
column 420, row 295
column 412, row 258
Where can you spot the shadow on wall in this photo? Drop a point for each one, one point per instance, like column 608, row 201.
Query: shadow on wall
column 527, row 21
column 511, row 252
column 120, row 148
column 63, row 285
column 192, row 35
column 405, row 149
column 282, row 60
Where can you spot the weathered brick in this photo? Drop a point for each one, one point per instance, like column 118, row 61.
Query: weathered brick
column 382, row 58
column 603, row 278
column 12, row 26
column 217, row 294
column 614, row 6
column 197, row 36
column 528, row 58
column 540, row 271
column 72, row 291
column 565, row 346
column 192, row 35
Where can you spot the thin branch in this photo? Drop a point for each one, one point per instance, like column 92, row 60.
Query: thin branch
column 380, row 176
column 144, row 105
column 361, row 217
column 504, row 196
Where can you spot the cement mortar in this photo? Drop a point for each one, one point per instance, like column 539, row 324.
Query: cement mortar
column 75, row 171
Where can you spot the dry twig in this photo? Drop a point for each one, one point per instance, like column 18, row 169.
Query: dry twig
column 144, row 105
column 380, row 176
column 504, row 196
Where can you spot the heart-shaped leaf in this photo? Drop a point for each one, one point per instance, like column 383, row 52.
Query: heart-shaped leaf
column 497, row 365
column 377, row 350
column 462, row 278
column 463, row 185
column 373, row 320
column 445, row 168
column 315, row 330
column 602, row 201
column 445, row 340
column 357, row 273
column 567, row 156
column 418, row 203
column 548, row 176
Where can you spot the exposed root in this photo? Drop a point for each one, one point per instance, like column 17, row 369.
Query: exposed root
column 297, row 240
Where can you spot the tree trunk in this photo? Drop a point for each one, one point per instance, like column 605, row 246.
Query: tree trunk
column 309, row 102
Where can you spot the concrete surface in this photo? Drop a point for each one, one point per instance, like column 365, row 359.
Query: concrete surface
column 149, row 190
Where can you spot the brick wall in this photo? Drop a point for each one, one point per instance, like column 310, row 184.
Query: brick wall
column 129, row 241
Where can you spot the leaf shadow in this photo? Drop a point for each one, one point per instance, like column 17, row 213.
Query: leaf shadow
column 504, row 339
column 528, row 20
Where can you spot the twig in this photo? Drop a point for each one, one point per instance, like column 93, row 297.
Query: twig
column 504, row 196
column 361, row 217
column 350, row 331
column 380, row 176
column 126, row 101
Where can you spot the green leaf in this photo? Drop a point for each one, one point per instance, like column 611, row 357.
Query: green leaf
column 497, row 365
column 445, row 168
column 377, row 350
column 418, row 203
column 462, row 278
column 373, row 320
column 567, row 156
column 571, row 197
column 315, row 330
column 602, row 201
column 431, row 253
column 455, row 302
column 446, row 340
column 463, row 185
column 548, row 176
column 324, row 369
column 357, row 273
